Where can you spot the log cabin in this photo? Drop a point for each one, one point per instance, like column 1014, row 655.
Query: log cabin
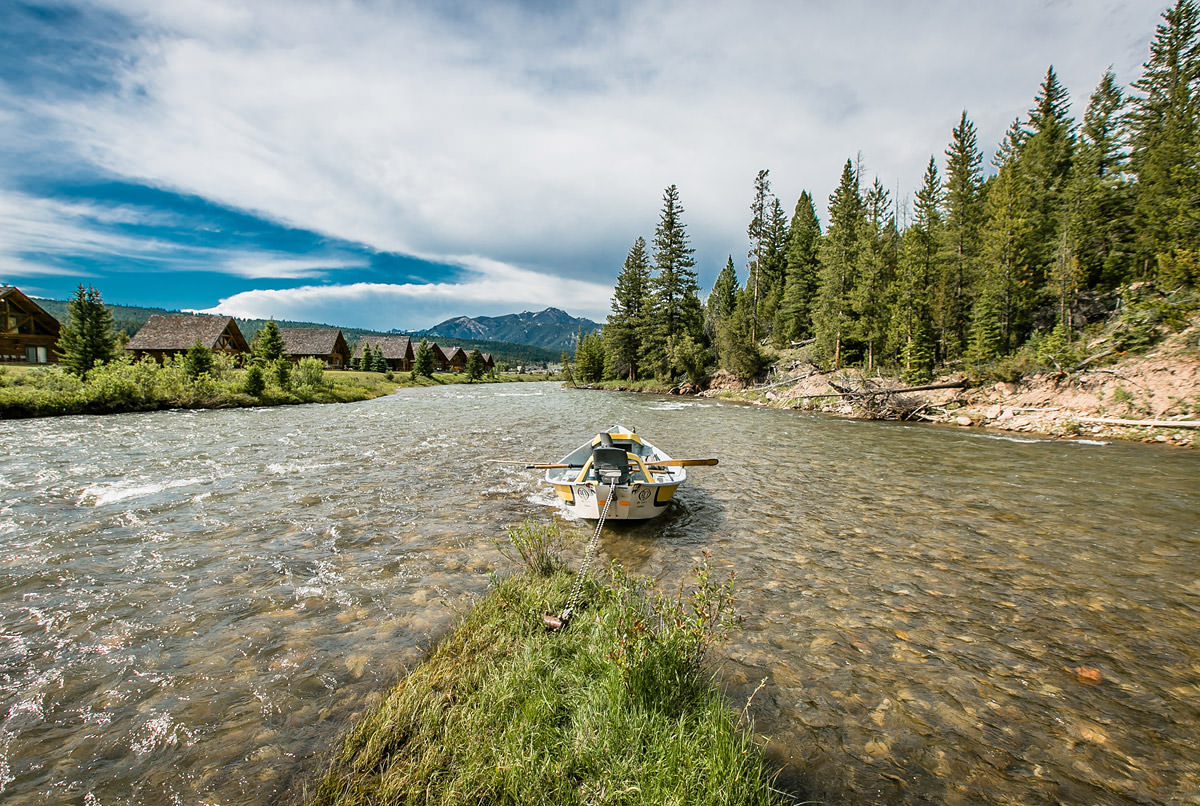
column 165, row 335
column 397, row 350
column 323, row 343
column 27, row 333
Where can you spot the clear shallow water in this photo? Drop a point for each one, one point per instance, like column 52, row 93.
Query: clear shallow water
column 192, row 604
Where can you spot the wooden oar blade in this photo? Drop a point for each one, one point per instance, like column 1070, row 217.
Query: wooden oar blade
column 684, row 463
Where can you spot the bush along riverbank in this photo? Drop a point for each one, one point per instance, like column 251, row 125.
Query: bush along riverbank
column 616, row 708
column 125, row 385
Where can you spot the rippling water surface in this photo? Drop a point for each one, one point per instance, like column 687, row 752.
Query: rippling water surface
column 193, row 604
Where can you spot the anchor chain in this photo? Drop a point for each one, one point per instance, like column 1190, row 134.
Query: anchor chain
column 557, row 623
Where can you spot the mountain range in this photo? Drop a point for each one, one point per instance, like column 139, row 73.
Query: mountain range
column 552, row 329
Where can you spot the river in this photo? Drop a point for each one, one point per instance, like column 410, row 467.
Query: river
column 193, row 604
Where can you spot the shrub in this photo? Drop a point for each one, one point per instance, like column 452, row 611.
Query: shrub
column 538, row 547
column 254, row 384
column 310, row 374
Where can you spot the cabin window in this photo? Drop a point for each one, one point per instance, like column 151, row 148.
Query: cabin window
column 35, row 355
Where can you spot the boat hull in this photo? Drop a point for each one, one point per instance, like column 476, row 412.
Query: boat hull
column 644, row 491
column 630, row 501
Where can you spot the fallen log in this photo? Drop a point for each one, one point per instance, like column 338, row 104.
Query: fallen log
column 901, row 391
column 1141, row 423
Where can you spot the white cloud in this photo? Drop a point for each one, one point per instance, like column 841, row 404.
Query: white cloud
column 544, row 138
column 256, row 266
column 490, row 289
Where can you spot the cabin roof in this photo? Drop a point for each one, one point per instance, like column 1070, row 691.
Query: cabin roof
column 177, row 332
column 453, row 352
column 310, row 340
column 18, row 299
column 394, row 348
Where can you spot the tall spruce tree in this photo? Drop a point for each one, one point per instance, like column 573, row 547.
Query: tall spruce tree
column 1099, row 205
column 1046, row 157
column 625, row 331
column 1006, row 294
column 963, row 219
column 795, row 315
column 876, row 269
column 721, row 299
column 834, row 320
column 757, row 231
column 912, row 321
column 422, row 359
column 87, row 338
column 677, row 309
column 774, row 268
column 1164, row 128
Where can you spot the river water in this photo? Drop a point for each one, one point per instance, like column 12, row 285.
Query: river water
column 194, row 604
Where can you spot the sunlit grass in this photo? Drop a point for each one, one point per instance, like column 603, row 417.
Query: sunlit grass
column 614, row 709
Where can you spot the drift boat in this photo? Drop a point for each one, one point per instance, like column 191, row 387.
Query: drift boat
column 641, row 479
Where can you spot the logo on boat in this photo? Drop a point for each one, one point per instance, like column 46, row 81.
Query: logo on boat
column 644, row 496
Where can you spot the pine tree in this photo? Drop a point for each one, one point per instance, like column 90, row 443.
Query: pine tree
column 876, row 268
column 267, row 343
column 423, row 360
column 834, row 318
column 87, row 338
column 475, row 365
column 625, row 331
column 774, row 268
column 757, row 232
column 1164, row 125
column 677, row 309
column 794, row 318
column 963, row 219
column 1046, row 158
column 721, row 299
column 738, row 353
column 1099, row 205
column 197, row 361
column 378, row 362
column 912, row 319
column 589, row 356
column 1006, row 277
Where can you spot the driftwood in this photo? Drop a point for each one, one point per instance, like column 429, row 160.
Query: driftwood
column 1141, row 423
column 876, row 392
column 887, row 403
column 1092, row 358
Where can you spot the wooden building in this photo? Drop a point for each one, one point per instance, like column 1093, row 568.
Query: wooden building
column 456, row 359
column 27, row 333
column 324, row 343
column 169, row 334
column 489, row 364
column 397, row 350
column 440, row 362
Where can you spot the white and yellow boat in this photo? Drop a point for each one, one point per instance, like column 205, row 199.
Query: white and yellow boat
column 641, row 479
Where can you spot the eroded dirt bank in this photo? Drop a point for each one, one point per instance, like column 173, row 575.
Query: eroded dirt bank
column 1154, row 397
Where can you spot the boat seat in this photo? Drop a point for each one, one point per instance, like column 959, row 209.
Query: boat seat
column 610, row 464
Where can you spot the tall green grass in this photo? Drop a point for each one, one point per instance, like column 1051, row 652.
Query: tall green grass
column 615, row 709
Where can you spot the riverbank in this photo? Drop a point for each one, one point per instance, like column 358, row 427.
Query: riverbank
column 614, row 708
column 1150, row 397
column 123, row 386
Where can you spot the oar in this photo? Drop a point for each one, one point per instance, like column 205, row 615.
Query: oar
column 683, row 463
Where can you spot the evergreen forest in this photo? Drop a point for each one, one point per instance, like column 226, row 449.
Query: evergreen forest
column 1070, row 220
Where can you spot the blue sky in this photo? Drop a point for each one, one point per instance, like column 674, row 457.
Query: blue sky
column 391, row 164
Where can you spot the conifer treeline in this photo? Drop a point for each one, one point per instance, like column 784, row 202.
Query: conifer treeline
column 1073, row 211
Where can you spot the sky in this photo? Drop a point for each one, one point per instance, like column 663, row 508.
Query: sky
column 388, row 164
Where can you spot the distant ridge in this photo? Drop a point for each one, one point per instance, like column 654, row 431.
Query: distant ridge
column 551, row 329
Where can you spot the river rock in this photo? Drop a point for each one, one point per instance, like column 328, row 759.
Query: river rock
column 1005, row 388
column 963, row 420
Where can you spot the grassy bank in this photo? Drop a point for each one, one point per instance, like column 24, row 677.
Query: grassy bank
column 614, row 709
column 123, row 386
